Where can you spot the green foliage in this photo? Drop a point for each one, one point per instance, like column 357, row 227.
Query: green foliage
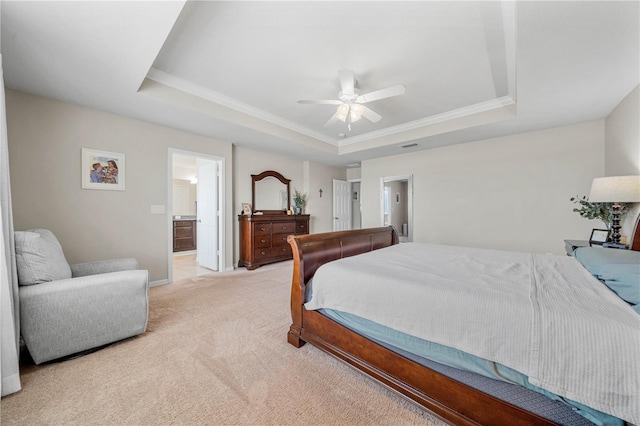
column 299, row 198
column 600, row 211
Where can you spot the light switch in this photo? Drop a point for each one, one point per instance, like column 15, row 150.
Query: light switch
column 157, row 209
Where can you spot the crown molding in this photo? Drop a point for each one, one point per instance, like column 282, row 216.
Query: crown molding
column 183, row 85
column 434, row 119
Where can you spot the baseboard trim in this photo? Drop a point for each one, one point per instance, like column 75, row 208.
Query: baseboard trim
column 157, row 283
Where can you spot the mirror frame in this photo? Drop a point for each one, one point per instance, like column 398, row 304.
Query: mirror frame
column 259, row 177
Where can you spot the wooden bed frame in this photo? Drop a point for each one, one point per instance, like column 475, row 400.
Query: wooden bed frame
column 452, row 401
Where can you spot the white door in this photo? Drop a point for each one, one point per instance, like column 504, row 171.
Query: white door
column 207, row 214
column 341, row 205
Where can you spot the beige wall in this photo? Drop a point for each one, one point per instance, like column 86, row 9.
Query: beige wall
column 305, row 176
column 320, row 176
column 508, row 193
column 622, row 135
column 622, row 147
column 45, row 142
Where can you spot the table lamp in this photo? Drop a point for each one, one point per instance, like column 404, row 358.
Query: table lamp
column 616, row 190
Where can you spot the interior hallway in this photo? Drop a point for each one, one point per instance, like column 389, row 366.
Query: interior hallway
column 186, row 266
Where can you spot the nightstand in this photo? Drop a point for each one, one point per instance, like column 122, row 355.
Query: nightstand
column 571, row 245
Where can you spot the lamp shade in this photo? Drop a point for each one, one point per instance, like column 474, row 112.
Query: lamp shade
column 615, row 189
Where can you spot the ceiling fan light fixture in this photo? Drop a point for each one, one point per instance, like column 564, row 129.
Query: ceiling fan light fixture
column 356, row 112
column 342, row 112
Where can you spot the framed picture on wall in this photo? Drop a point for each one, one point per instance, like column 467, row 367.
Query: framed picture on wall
column 246, row 209
column 103, row 170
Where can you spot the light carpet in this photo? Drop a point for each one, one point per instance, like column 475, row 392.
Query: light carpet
column 215, row 352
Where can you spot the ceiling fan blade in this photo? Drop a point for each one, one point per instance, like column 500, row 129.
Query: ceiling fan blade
column 321, row 101
column 370, row 115
column 396, row 90
column 332, row 120
column 347, row 82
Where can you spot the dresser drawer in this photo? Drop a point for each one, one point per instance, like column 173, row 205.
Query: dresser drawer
column 182, row 223
column 262, row 241
column 262, row 229
column 281, row 251
column 183, row 232
column 263, row 253
column 284, row 227
column 302, row 227
column 280, row 240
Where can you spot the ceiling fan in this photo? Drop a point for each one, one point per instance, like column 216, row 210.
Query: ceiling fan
column 350, row 102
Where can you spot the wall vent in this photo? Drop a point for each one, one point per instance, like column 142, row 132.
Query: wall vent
column 409, row 145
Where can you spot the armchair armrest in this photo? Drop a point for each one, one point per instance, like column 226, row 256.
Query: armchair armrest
column 103, row 267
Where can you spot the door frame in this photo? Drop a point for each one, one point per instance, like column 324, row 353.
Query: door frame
column 221, row 207
column 409, row 179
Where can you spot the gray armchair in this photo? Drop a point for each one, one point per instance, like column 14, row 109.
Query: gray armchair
column 66, row 309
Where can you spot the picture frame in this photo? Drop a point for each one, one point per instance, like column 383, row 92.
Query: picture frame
column 599, row 236
column 246, row 209
column 103, row 170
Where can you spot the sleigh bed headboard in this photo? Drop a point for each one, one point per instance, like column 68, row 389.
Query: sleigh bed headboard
column 635, row 242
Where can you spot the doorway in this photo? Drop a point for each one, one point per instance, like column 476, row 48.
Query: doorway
column 396, row 205
column 356, row 205
column 196, row 197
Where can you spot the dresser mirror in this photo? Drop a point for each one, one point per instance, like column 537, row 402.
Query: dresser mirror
column 270, row 193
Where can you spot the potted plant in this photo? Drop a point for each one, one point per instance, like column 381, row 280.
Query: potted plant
column 299, row 200
column 600, row 211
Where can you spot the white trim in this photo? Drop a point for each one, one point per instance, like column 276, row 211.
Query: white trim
column 409, row 179
column 226, row 101
column 434, row 119
column 221, row 204
column 159, row 282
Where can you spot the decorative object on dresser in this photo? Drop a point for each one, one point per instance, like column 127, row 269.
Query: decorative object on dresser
column 263, row 234
column 184, row 234
column 300, row 200
column 616, row 190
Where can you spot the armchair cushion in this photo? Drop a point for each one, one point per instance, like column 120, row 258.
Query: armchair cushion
column 39, row 257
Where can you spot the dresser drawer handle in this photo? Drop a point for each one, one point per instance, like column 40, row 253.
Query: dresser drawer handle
column 301, row 226
column 284, row 238
column 263, row 240
column 284, row 227
column 262, row 228
column 263, row 253
column 283, row 249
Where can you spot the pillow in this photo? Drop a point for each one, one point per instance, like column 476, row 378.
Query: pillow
column 618, row 269
column 624, row 280
column 594, row 257
column 39, row 257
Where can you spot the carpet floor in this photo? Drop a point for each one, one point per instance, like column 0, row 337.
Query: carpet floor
column 215, row 352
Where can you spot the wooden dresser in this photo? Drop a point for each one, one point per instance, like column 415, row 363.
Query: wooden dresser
column 263, row 238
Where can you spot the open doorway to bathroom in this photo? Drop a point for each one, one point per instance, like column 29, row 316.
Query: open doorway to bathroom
column 396, row 205
column 196, row 194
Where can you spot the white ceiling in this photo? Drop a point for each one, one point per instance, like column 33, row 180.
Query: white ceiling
column 234, row 70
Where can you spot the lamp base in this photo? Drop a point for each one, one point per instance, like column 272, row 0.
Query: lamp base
column 615, row 223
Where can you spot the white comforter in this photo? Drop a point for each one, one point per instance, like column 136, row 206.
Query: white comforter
column 542, row 315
